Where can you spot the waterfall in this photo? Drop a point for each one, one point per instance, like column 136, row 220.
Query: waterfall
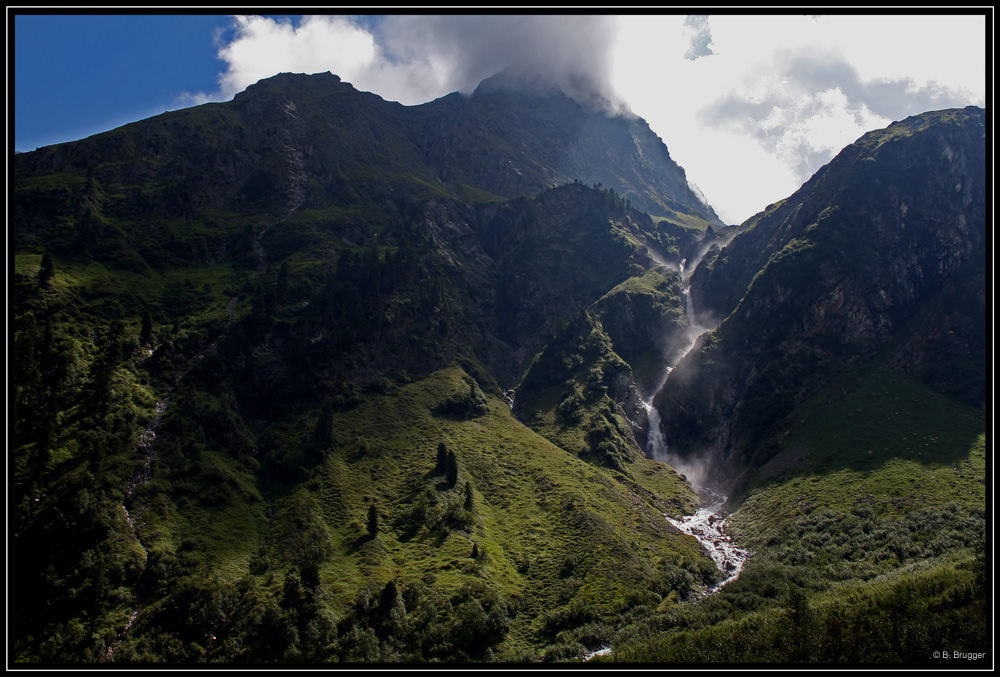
column 656, row 445
column 705, row 524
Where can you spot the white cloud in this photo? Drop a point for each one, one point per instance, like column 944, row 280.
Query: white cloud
column 413, row 59
column 262, row 47
column 780, row 95
column 750, row 106
column 700, row 34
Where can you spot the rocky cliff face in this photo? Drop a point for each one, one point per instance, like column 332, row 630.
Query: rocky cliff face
column 833, row 275
column 540, row 137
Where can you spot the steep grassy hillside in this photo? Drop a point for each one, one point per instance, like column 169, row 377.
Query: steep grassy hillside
column 869, row 536
column 314, row 377
column 222, row 562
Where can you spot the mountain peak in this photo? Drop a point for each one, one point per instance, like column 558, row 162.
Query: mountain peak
column 581, row 87
column 285, row 80
column 515, row 79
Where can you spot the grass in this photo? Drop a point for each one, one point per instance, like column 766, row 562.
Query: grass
column 471, row 194
column 901, row 617
column 203, row 290
column 878, row 437
column 657, row 282
column 866, row 525
column 685, row 220
column 535, row 507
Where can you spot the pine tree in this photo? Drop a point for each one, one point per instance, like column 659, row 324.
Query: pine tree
column 146, row 333
column 47, row 271
column 27, row 378
column 372, row 521
column 109, row 357
column 323, row 433
column 451, row 469
column 442, row 459
column 468, row 496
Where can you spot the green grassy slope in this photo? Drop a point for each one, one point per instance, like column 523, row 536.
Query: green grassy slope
column 868, row 530
column 877, row 437
column 535, row 507
column 555, row 541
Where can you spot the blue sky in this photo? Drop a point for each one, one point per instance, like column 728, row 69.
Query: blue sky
column 750, row 106
column 75, row 76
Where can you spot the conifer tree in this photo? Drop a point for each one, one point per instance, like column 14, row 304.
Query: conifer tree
column 323, row 434
column 47, row 271
column 109, row 357
column 372, row 521
column 146, row 333
column 451, row 470
column 442, row 458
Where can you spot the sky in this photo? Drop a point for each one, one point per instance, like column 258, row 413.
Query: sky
column 749, row 105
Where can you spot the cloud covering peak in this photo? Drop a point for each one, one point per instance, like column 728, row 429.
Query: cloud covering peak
column 413, row 59
column 750, row 107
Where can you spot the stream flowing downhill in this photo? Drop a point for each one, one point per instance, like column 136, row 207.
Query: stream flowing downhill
column 706, row 524
column 146, row 454
column 133, row 518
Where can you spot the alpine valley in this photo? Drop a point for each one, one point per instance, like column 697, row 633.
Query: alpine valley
column 313, row 377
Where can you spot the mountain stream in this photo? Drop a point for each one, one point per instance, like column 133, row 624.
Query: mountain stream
column 142, row 474
column 145, row 455
column 706, row 524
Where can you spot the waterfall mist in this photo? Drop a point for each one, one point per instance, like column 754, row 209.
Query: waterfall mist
column 695, row 470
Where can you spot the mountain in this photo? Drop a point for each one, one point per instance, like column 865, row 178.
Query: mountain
column 839, row 404
column 309, row 376
column 558, row 140
column 258, row 320
column 879, row 259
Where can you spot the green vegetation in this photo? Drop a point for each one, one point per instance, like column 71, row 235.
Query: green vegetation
column 568, row 395
column 876, row 437
column 868, row 531
column 843, row 272
column 311, row 377
column 334, row 534
column 783, row 612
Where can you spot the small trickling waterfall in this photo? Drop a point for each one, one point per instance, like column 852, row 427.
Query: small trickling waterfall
column 142, row 475
column 146, row 454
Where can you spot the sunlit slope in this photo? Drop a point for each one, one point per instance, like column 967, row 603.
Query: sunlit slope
column 879, row 439
column 868, row 528
column 536, row 514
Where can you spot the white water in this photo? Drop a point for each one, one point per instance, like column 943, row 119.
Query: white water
column 709, row 528
column 706, row 524
column 603, row 651
column 656, row 446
